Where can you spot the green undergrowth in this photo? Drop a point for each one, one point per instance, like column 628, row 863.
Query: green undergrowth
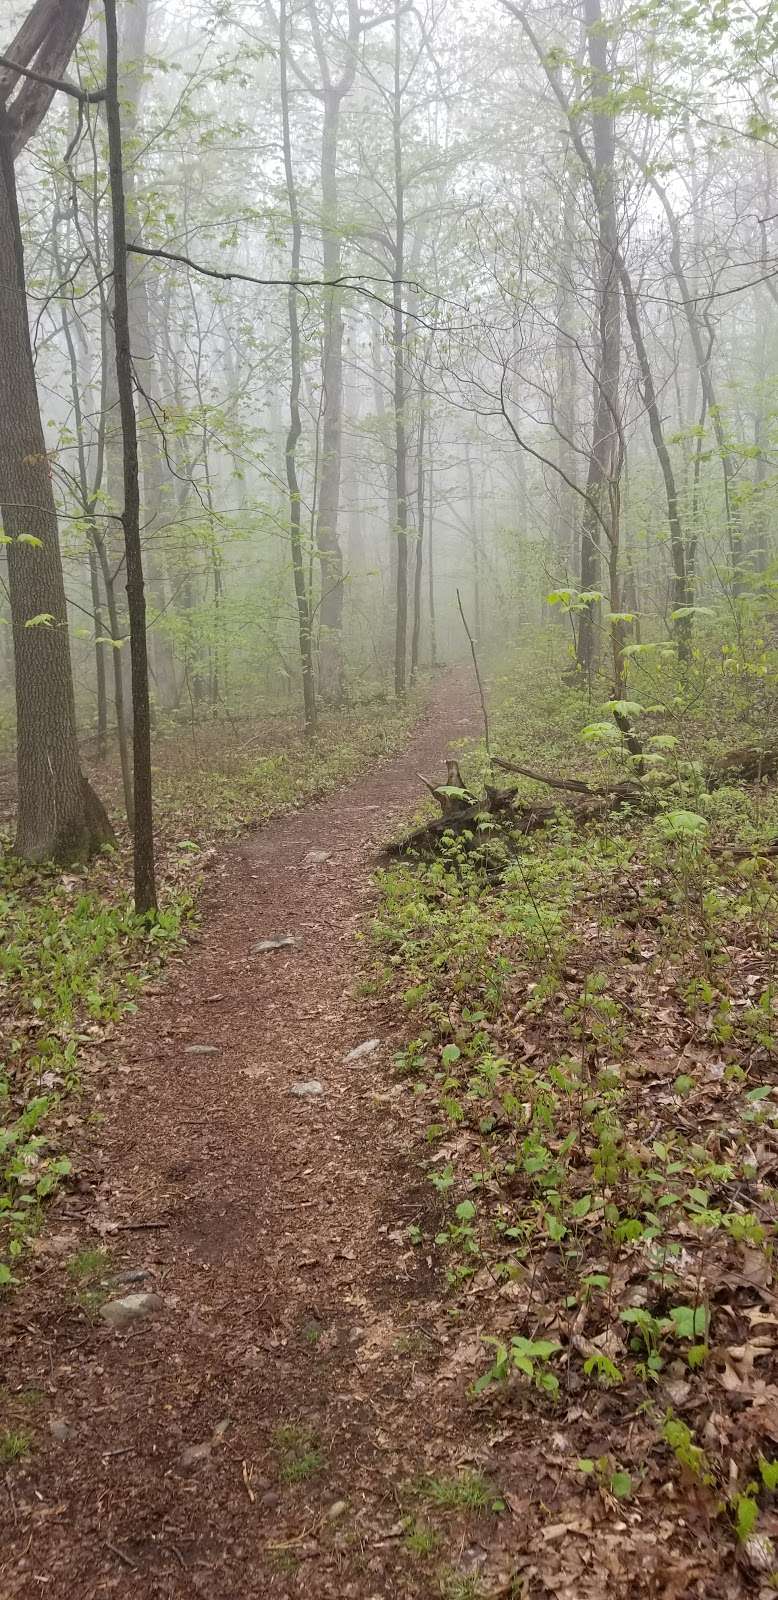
column 591, row 1040
column 74, row 957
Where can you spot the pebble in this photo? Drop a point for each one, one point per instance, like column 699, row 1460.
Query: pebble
column 364, row 1049
column 310, row 1087
column 200, row 1050
column 316, row 858
column 131, row 1308
column 60, row 1429
column 265, row 945
column 137, row 1275
column 336, row 1510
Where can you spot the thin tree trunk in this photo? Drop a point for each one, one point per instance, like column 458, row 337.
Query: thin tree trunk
column 302, row 595
column 398, row 330
column 681, row 596
column 417, row 571
column 431, row 574
column 331, row 683
column 605, row 459
column 145, row 888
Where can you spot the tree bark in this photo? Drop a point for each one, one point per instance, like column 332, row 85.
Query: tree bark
column 145, row 888
column 59, row 817
column 605, row 459
column 398, row 331
column 302, row 595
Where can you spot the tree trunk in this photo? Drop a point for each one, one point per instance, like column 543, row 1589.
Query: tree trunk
column 59, row 816
column 601, row 509
column 431, row 576
column 398, row 331
column 145, row 888
column 331, row 684
column 302, row 595
column 134, row 47
column 418, row 566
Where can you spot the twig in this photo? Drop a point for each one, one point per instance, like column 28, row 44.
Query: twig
column 138, row 1227
column 122, row 1556
column 477, row 675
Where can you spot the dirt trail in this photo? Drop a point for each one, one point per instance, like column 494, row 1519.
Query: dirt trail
column 288, row 1303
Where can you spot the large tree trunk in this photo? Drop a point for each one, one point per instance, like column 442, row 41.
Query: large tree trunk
column 59, row 817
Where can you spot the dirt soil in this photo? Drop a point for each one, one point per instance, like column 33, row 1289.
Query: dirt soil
column 257, row 1433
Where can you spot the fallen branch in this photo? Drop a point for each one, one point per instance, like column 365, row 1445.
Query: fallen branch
column 577, row 785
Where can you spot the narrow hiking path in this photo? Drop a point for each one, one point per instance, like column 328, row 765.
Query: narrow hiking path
column 249, row 1435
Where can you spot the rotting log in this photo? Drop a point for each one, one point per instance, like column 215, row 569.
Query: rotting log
column 748, row 764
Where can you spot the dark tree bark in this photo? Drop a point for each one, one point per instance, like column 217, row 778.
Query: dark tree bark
column 605, row 460
column 398, row 331
column 302, row 595
column 134, row 31
column 419, row 563
column 331, row 91
column 59, row 816
column 145, row 888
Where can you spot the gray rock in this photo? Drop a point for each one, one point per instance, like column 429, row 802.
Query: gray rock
column 201, row 1050
column 316, row 858
column 131, row 1308
column 364, row 1049
column 336, row 1510
column 137, row 1275
column 265, row 945
column 304, row 1090
column 60, row 1429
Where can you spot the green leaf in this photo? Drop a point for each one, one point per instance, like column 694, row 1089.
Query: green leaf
column 29, row 538
column 746, row 1515
column 44, row 619
column 624, row 708
column 465, row 1211
column 682, row 824
column 621, row 1485
column 689, row 1322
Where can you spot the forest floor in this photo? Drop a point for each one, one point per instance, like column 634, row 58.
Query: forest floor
column 292, row 1412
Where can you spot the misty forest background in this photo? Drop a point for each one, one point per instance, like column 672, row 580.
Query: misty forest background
column 547, row 369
